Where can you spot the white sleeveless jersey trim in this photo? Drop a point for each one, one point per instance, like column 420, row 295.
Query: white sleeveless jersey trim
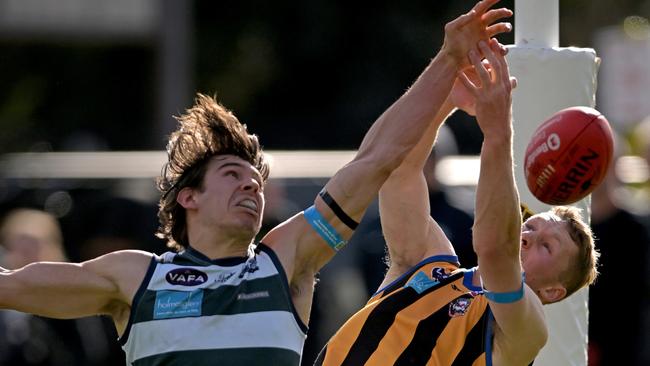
column 217, row 276
column 166, row 257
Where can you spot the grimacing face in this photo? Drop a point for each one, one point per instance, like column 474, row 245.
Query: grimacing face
column 231, row 196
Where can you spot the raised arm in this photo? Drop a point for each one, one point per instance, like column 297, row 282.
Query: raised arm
column 104, row 285
column 520, row 330
column 411, row 233
column 388, row 141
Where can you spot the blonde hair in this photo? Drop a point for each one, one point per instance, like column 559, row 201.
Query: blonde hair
column 583, row 270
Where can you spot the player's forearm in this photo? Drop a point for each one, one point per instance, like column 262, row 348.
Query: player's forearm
column 410, row 171
column 399, row 189
column 418, row 156
column 399, row 128
column 403, row 204
column 389, row 141
column 57, row 290
column 497, row 216
column 26, row 289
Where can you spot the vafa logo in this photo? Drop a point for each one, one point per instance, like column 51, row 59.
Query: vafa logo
column 186, row 277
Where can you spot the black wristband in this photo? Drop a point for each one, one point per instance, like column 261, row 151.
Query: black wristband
column 338, row 211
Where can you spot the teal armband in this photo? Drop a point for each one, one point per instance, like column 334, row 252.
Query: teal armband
column 506, row 297
column 324, row 229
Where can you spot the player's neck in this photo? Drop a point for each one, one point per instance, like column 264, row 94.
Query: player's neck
column 219, row 245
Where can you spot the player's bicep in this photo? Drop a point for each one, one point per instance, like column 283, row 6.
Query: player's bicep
column 325, row 229
column 307, row 241
column 57, row 290
column 337, row 211
column 516, row 308
column 65, row 290
column 404, row 209
column 410, row 232
column 354, row 187
column 521, row 328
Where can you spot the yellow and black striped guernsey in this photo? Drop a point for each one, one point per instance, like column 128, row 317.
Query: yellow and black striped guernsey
column 432, row 315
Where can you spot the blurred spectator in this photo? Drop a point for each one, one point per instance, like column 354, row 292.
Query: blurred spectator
column 622, row 287
column 635, row 171
column 26, row 236
column 115, row 223
column 29, row 236
column 101, row 222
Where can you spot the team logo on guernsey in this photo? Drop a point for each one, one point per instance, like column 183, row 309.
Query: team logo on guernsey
column 177, row 304
column 186, row 277
column 439, row 273
column 250, row 267
column 223, row 277
column 459, row 306
column 421, row 282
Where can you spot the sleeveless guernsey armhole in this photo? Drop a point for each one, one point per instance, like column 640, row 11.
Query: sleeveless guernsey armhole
column 469, row 279
column 285, row 283
column 401, row 280
column 138, row 296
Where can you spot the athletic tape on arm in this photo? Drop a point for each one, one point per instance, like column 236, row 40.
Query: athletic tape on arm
column 324, row 229
column 506, row 297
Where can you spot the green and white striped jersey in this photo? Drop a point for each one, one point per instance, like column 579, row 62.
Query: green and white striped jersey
column 191, row 310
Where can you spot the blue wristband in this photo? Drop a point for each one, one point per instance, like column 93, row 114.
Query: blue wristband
column 506, row 297
column 324, row 229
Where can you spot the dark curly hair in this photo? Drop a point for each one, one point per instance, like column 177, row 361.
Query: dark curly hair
column 205, row 130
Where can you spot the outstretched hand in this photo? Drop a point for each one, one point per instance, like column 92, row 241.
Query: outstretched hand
column 464, row 33
column 491, row 89
column 460, row 96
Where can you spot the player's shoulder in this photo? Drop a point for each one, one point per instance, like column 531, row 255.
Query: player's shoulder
column 130, row 255
column 125, row 268
column 121, row 260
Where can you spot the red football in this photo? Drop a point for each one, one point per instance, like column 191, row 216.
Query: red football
column 568, row 155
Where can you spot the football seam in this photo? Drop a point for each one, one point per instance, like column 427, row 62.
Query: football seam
column 563, row 152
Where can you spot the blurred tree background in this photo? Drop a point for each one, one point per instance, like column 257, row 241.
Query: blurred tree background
column 83, row 75
column 302, row 75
